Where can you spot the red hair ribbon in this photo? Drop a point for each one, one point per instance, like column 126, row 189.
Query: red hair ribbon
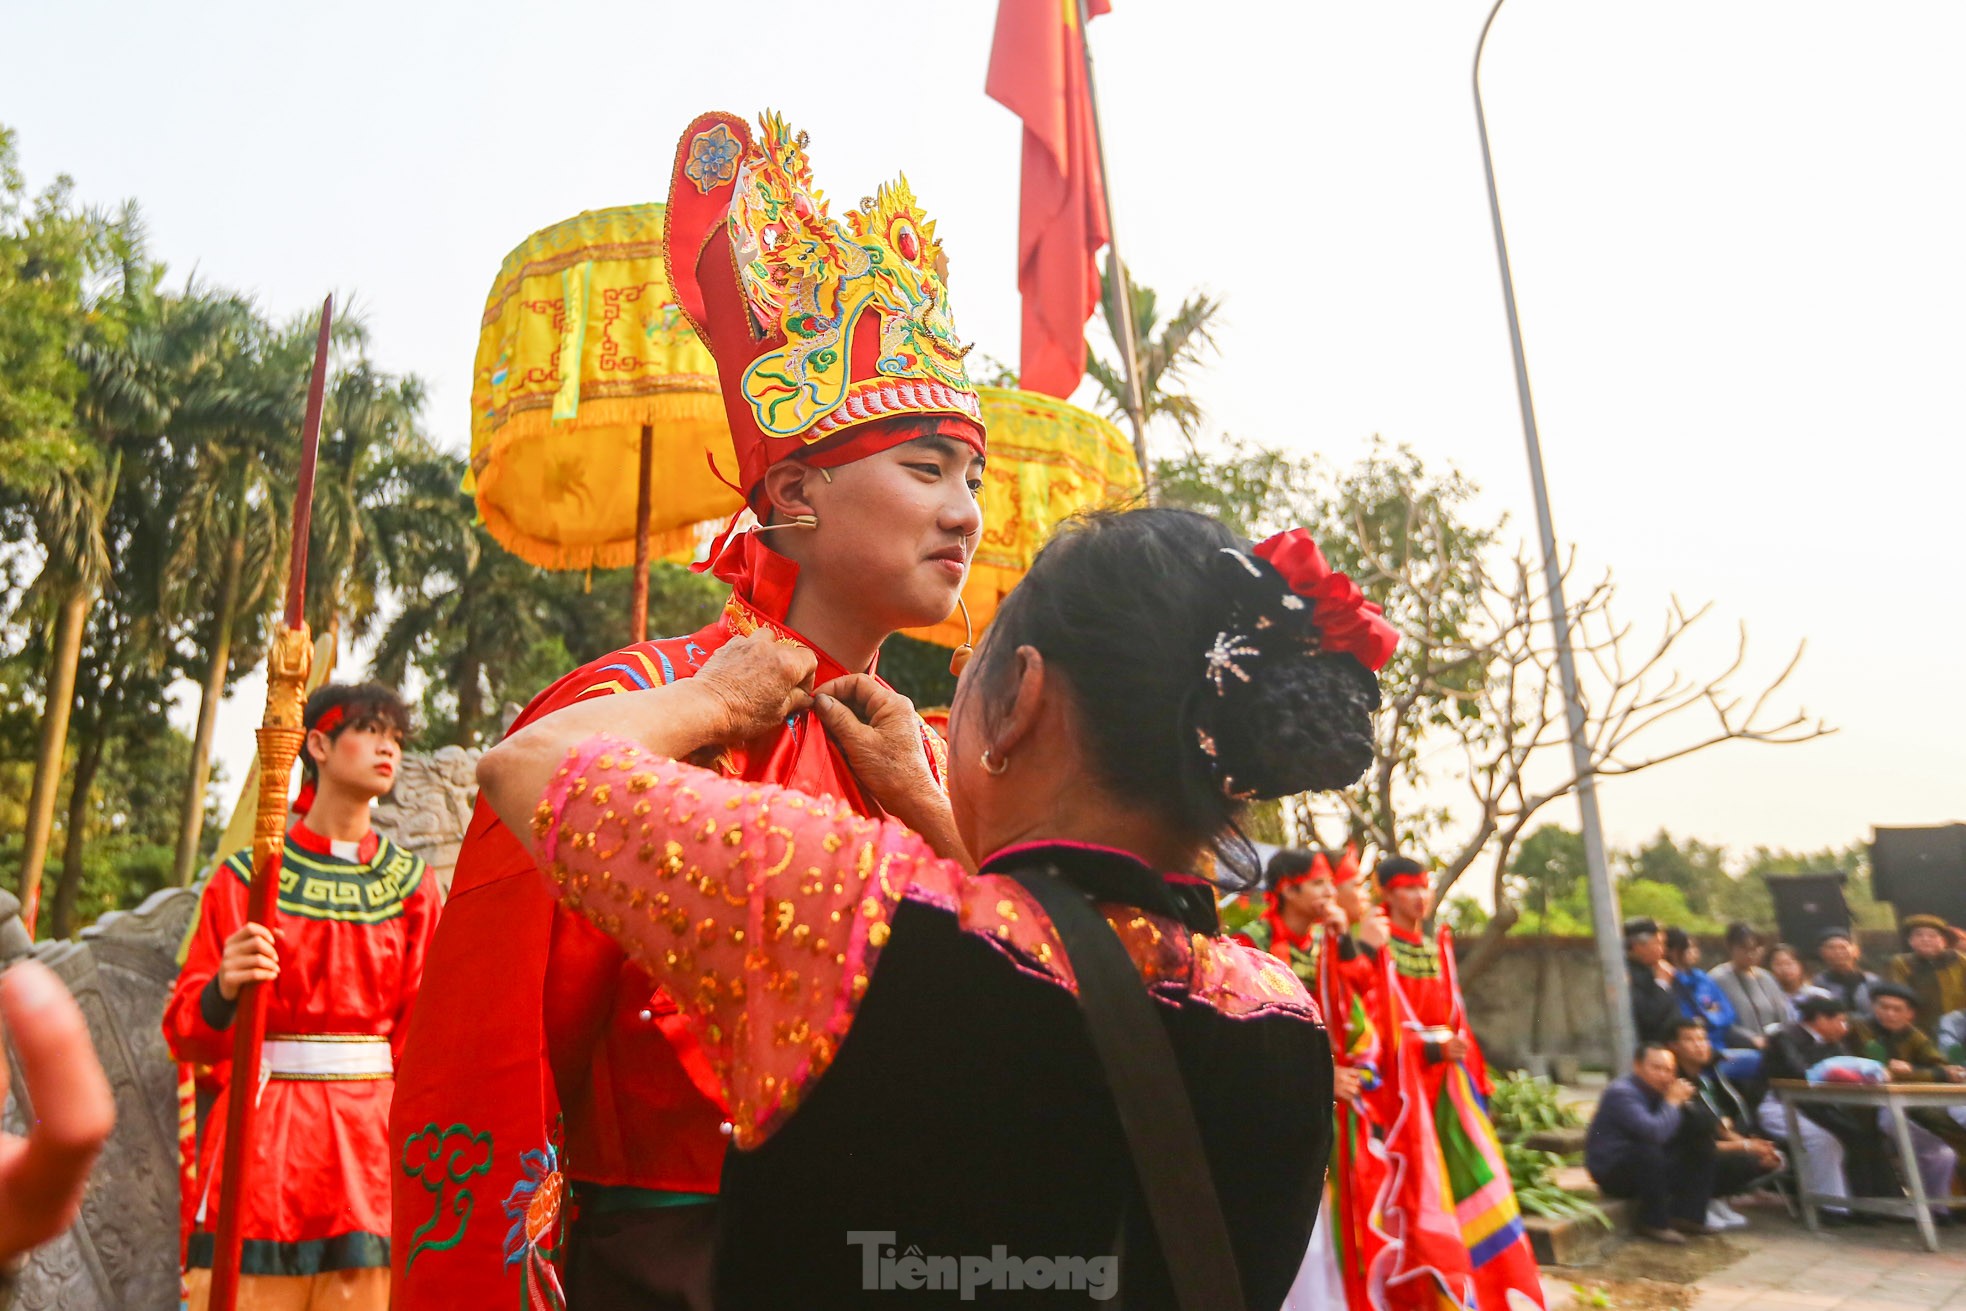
column 1345, row 620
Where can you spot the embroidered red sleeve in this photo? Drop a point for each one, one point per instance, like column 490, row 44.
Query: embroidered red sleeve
column 761, row 911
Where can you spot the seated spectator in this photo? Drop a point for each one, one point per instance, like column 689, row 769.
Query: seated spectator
column 1654, row 1004
column 1791, row 976
column 1908, row 1056
column 1759, row 1002
column 1634, row 1148
column 1719, row 1114
column 1843, row 972
column 1935, row 973
column 1700, row 998
column 1844, row 1151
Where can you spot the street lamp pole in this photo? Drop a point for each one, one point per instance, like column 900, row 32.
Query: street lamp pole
column 1604, row 897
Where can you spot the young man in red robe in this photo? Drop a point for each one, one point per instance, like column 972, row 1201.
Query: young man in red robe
column 1440, row 1146
column 545, row 1076
column 342, row 966
column 1305, row 925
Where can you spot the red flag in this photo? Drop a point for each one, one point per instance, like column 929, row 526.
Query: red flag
column 1037, row 71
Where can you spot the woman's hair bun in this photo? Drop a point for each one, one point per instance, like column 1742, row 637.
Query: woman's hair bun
column 1302, row 723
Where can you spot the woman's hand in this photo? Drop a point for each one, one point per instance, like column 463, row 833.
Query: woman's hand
column 880, row 735
column 42, row 1175
column 250, row 956
column 759, row 681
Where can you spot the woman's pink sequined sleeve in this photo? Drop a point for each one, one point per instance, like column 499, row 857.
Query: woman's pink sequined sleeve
column 760, row 910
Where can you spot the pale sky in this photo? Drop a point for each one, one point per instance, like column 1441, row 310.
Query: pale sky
column 1736, row 226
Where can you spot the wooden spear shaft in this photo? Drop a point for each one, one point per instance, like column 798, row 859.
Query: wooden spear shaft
column 280, row 739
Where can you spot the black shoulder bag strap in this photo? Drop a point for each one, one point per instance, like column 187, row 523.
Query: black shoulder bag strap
column 1150, row 1096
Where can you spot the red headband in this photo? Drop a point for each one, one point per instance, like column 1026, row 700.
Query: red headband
column 1405, row 878
column 330, row 719
column 1321, row 868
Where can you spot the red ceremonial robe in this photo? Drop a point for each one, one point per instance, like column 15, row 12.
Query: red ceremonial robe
column 1453, row 1233
column 543, row 1054
column 353, row 934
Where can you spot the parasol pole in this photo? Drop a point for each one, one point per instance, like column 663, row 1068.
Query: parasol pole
column 1116, row 276
column 638, row 605
column 280, row 738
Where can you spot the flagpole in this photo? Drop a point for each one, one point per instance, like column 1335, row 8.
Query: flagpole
column 1116, row 275
column 1604, row 897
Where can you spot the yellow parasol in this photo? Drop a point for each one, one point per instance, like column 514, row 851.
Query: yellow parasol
column 1048, row 461
column 593, row 403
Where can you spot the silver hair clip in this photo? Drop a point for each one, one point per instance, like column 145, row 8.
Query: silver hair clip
column 1222, row 657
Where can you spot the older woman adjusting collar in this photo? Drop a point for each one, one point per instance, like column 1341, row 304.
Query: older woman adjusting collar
column 894, row 1032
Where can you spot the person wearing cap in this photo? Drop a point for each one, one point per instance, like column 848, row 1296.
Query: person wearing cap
column 1843, row 972
column 1931, row 968
column 1655, row 1006
column 1909, row 1055
column 1422, row 1013
column 1844, row 1152
column 342, row 965
column 859, row 453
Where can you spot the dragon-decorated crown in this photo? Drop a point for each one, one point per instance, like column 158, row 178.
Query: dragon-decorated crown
column 820, row 328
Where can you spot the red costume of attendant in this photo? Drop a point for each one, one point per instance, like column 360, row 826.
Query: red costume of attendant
column 1341, row 978
column 545, row 1054
column 352, row 938
column 1454, row 1234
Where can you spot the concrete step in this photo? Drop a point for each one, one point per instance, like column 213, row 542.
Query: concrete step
column 1577, row 1179
column 1579, row 1241
column 1564, row 1142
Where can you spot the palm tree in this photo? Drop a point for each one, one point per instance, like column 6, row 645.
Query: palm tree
column 468, row 608
column 234, row 432
column 368, row 435
column 1167, row 351
column 68, row 513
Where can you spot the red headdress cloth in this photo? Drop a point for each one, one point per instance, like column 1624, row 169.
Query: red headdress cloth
column 820, row 327
column 1387, row 880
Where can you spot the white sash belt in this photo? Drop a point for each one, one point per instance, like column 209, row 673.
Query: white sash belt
column 326, row 1056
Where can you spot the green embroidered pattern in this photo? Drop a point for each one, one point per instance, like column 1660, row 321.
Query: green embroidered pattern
column 1419, row 960
column 447, row 1159
column 327, row 888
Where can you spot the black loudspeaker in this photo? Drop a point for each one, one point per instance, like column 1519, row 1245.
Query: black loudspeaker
column 1807, row 904
column 1921, row 871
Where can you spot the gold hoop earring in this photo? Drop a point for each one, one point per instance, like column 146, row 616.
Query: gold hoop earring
column 996, row 769
column 959, row 658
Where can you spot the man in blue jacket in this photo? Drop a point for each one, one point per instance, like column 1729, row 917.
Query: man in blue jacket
column 1634, row 1148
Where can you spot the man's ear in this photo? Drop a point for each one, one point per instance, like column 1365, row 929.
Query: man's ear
column 787, row 486
column 317, row 746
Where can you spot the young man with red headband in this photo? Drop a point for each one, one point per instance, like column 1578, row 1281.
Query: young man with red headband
column 1305, row 925
column 545, row 1075
column 1439, row 1139
column 342, row 965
